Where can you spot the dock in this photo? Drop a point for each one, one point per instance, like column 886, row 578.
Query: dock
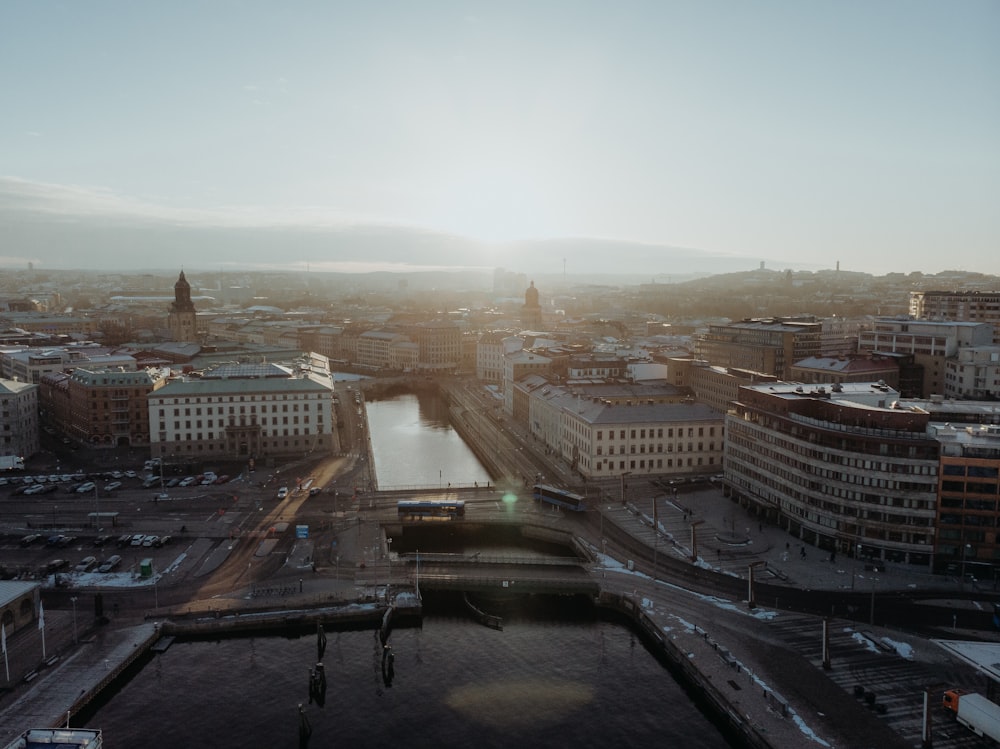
column 76, row 680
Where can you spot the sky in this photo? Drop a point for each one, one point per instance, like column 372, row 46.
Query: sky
column 802, row 132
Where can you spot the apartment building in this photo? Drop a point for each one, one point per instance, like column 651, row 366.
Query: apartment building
column 930, row 344
column 108, row 407
column 961, row 306
column 838, row 466
column 867, row 367
column 18, row 418
column 968, row 519
column 607, row 429
column 973, row 373
column 769, row 346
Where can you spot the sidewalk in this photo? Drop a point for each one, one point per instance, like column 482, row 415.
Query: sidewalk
column 729, row 538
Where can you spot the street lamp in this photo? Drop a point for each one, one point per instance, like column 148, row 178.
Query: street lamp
column 73, row 599
column 626, row 473
column 966, row 548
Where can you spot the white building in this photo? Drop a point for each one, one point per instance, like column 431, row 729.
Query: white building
column 973, row 373
column 242, row 415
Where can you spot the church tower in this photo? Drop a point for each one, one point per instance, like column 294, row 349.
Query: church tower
column 182, row 320
column 531, row 312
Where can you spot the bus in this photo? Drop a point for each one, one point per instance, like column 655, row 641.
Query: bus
column 559, row 497
column 430, row 509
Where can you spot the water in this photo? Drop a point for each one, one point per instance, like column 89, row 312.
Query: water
column 552, row 678
column 414, row 445
column 580, row 683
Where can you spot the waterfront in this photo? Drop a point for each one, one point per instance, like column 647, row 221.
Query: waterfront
column 551, row 677
column 568, row 681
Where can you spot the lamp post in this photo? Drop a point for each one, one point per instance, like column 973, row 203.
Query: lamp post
column 694, row 539
column 966, row 548
column 73, row 599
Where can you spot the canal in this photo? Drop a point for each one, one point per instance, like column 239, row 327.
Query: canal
column 414, row 445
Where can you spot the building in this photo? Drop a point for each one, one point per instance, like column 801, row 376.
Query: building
column 19, row 603
column 959, row 306
column 973, row 373
column 930, row 344
column 30, row 365
column 18, row 418
column 531, row 312
column 440, row 345
column 839, row 335
column 838, row 466
column 968, row 520
column 490, row 350
column 516, row 365
column 375, row 348
column 182, row 320
column 108, row 408
column 241, row 412
column 717, row 387
column 609, row 429
column 40, row 322
column 868, row 367
column 769, row 346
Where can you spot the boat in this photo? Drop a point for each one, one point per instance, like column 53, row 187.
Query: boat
column 49, row 738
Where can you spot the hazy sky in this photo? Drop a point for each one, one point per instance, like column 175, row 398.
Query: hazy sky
column 862, row 131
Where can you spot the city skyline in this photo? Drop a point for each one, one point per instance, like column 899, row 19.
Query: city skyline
column 467, row 135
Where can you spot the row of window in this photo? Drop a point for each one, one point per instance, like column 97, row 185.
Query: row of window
column 609, row 465
column 659, row 448
column 659, row 433
column 209, row 423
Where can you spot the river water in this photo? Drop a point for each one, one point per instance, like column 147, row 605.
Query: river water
column 414, row 445
column 555, row 676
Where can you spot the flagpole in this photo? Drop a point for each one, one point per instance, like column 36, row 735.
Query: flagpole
column 6, row 665
column 41, row 626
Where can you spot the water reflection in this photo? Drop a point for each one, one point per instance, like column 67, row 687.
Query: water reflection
column 414, row 445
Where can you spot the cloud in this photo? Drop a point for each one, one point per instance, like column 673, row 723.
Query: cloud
column 28, row 198
column 72, row 226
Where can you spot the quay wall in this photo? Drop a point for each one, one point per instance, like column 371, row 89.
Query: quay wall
column 301, row 620
column 687, row 672
column 91, row 693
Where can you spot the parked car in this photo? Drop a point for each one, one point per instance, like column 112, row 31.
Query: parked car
column 112, row 486
column 110, row 564
column 282, row 492
column 163, row 541
column 124, row 540
column 151, row 541
column 173, row 482
column 86, row 486
column 187, row 481
column 102, row 540
column 34, row 489
column 130, row 474
column 30, row 539
column 314, row 491
column 222, row 479
column 86, row 564
column 55, row 565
